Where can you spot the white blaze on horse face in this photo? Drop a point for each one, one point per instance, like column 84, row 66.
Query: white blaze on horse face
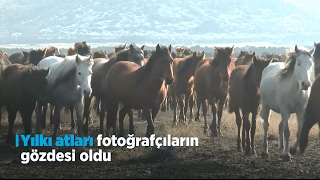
column 303, row 69
column 84, row 72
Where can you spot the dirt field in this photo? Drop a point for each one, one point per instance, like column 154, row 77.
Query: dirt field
column 214, row 158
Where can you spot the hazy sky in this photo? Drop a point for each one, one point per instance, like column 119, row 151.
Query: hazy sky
column 311, row 5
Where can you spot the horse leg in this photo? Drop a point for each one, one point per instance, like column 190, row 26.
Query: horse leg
column 122, row 114
column 139, row 113
column 239, row 124
column 150, row 127
column 98, row 105
column 169, row 100
column 26, row 115
column 86, row 114
column 221, row 104
column 39, row 122
column 213, row 126
column 285, row 126
column 163, row 105
column 57, row 112
column 174, row 107
column 253, row 131
column 182, row 105
column 44, row 114
column 112, row 112
column 293, row 149
column 131, row 127
column 12, row 113
column 204, row 112
column 197, row 118
column 51, row 114
column 71, row 107
column 265, row 113
column 246, row 126
column 191, row 108
column 102, row 116
column 79, row 113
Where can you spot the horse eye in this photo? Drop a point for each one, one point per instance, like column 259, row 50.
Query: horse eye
column 79, row 73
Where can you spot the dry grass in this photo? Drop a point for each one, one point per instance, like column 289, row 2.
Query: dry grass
column 214, row 158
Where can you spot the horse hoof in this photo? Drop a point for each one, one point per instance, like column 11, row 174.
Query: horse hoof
column 239, row 149
column 264, row 155
column 214, row 134
column 286, row 157
column 293, row 151
column 248, row 152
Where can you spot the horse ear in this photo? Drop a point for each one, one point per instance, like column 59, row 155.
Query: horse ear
column 202, row 55
column 194, row 54
column 170, row 49
column 47, row 71
column 124, row 46
column 296, row 49
column 142, row 47
column 270, row 60
column 254, row 53
column 231, row 50
column 78, row 60
column 158, row 48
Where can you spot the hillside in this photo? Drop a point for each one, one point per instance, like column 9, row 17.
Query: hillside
column 186, row 22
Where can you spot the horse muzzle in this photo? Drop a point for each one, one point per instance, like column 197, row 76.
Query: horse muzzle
column 305, row 86
column 168, row 81
column 87, row 93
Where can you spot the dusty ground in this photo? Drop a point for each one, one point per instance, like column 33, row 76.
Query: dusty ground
column 214, row 158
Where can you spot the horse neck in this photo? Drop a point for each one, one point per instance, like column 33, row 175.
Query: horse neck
column 154, row 78
column 292, row 83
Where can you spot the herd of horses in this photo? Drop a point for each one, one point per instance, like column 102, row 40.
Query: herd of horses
column 131, row 78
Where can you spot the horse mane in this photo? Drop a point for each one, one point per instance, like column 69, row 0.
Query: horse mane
column 183, row 63
column 221, row 53
column 66, row 70
column 289, row 64
column 247, row 75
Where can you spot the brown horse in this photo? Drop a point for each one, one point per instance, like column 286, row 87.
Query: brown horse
column 100, row 70
column 21, row 86
column 316, row 58
column 141, row 87
column 116, row 50
column 245, row 58
column 244, row 94
column 311, row 115
column 19, row 57
column 100, row 54
column 182, row 88
column 211, row 83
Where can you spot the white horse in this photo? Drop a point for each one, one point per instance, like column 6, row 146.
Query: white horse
column 285, row 89
column 69, row 80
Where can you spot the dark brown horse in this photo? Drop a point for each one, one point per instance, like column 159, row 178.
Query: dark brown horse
column 245, row 58
column 244, row 94
column 116, row 50
column 142, row 87
column 21, row 86
column 311, row 115
column 316, row 59
column 100, row 69
column 182, row 88
column 100, row 54
column 211, row 83
column 19, row 57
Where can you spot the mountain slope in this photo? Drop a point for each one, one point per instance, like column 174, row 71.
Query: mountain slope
column 186, row 22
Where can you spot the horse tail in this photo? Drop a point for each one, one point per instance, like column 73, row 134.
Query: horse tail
column 308, row 121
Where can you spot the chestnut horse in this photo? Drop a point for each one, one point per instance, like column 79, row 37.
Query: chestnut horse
column 182, row 88
column 244, row 94
column 211, row 83
column 100, row 70
column 141, row 87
